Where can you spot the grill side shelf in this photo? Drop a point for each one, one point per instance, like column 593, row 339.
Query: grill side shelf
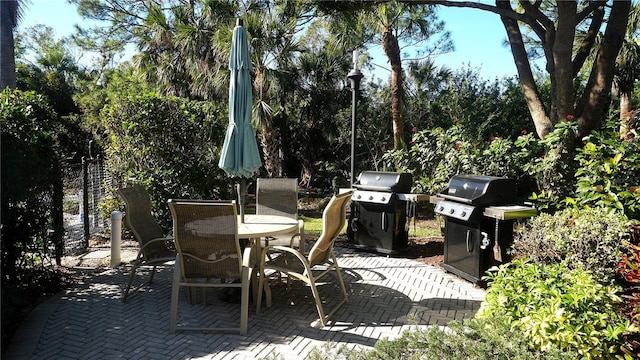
column 510, row 212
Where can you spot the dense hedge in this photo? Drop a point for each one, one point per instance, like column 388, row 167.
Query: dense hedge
column 591, row 239
column 555, row 306
column 32, row 198
column 170, row 145
column 31, row 181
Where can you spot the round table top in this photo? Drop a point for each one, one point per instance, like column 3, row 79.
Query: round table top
column 256, row 226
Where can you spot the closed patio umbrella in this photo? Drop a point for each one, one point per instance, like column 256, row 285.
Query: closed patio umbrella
column 240, row 157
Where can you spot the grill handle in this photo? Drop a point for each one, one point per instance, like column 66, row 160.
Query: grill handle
column 469, row 242
column 384, row 221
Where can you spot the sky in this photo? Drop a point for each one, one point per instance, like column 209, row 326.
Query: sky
column 478, row 37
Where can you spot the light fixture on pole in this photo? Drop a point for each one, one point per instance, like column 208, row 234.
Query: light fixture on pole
column 355, row 76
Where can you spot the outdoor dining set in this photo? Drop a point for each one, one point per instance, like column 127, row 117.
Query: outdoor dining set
column 212, row 246
column 215, row 245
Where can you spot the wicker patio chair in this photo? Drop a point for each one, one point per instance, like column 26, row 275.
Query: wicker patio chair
column 294, row 264
column 209, row 255
column 279, row 196
column 155, row 248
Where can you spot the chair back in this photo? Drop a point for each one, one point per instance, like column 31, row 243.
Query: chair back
column 333, row 220
column 206, row 237
column 277, row 196
column 140, row 220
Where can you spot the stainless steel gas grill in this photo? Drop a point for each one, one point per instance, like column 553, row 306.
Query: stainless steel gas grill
column 479, row 214
column 378, row 220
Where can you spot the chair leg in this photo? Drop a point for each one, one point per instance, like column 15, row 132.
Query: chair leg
column 153, row 272
column 258, row 297
column 316, row 296
column 244, row 300
column 339, row 275
column 175, row 291
column 132, row 274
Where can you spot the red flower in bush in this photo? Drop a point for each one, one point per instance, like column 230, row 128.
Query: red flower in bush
column 414, row 129
column 457, row 145
column 633, row 189
column 524, row 132
column 569, row 117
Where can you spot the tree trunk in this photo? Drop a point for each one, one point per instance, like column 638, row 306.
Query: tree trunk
column 392, row 51
column 593, row 104
column 627, row 126
column 8, row 9
column 270, row 150
column 561, row 50
column 528, row 86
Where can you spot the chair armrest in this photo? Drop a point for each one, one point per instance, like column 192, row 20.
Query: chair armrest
column 290, row 250
column 298, row 234
column 152, row 241
column 246, row 257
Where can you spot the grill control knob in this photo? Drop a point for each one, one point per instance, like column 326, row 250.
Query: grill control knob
column 383, row 199
column 464, row 213
column 452, row 211
column 358, row 196
column 370, row 197
column 441, row 208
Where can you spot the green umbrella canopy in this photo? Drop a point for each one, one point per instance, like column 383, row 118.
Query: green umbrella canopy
column 240, row 156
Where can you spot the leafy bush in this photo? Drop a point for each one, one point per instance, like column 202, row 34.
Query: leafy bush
column 170, row 145
column 588, row 239
column 556, row 306
column 31, row 181
column 32, row 198
column 609, row 173
column 629, row 270
column 478, row 339
column 436, row 155
column 554, row 168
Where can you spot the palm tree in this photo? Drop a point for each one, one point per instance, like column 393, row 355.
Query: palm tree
column 393, row 25
column 398, row 23
column 10, row 14
column 319, row 97
column 627, row 72
column 273, row 46
column 184, row 51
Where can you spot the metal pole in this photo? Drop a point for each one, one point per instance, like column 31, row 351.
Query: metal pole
column 355, row 76
column 85, row 201
column 116, row 237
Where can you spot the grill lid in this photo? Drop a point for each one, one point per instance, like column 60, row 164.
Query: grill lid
column 384, row 181
column 481, row 190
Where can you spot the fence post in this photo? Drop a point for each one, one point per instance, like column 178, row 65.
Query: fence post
column 116, row 235
column 85, row 200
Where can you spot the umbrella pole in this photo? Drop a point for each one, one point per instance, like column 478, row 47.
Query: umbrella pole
column 242, row 190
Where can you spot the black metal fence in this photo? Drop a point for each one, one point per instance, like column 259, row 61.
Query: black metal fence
column 84, row 187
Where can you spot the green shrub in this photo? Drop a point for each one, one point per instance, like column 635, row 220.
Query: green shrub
column 31, row 181
column 32, row 201
column 436, row 155
column 609, row 173
column 589, row 239
column 555, row 306
column 170, row 145
column 474, row 339
column 554, row 169
column 478, row 339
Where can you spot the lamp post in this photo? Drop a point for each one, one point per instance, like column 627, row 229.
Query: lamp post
column 355, row 76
